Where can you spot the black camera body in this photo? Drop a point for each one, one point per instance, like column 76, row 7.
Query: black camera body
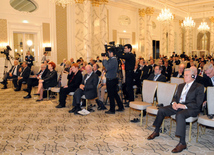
column 112, row 47
column 7, row 52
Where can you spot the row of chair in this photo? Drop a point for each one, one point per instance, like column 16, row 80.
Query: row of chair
column 165, row 93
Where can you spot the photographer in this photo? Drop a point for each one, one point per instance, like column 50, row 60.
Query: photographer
column 129, row 71
column 111, row 66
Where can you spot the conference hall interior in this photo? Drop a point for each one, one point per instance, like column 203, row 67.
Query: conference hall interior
column 94, row 76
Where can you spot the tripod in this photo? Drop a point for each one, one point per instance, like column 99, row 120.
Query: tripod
column 7, row 60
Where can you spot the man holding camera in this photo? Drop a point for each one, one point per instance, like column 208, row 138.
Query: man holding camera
column 111, row 66
column 129, row 71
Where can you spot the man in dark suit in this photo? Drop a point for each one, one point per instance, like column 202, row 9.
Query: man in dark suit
column 198, row 78
column 87, row 88
column 13, row 73
column 168, row 71
column 186, row 103
column 152, row 66
column 189, row 63
column 129, row 71
column 177, row 61
column 29, row 59
column 34, row 80
column 23, row 76
column 140, row 74
column 157, row 76
column 209, row 75
column 95, row 70
column 180, row 72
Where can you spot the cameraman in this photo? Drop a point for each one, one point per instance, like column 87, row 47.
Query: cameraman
column 129, row 71
column 111, row 66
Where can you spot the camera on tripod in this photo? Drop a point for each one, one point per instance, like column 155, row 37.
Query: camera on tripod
column 116, row 49
column 6, row 51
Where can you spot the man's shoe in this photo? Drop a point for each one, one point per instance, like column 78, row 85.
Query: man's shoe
column 39, row 100
column 110, row 112
column 26, row 97
column 180, row 147
column 17, row 89
column 120, row 109
column 77, row 110
column 72, row 110
column 60, row 106
column 153, row 135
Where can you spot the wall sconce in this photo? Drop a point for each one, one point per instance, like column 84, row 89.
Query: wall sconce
column 46, row 44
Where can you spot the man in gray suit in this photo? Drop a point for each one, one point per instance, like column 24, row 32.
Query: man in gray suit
column 87, row 88
column 186, row 103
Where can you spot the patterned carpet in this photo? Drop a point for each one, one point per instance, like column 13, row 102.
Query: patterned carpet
column 29, row 127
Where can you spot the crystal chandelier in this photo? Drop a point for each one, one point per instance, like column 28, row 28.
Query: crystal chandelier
column 203, row 27
column 188, row 22
column 165, row 15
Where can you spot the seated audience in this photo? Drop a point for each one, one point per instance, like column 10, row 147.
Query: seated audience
column 29, row 59
column 92, row 62
column 95, row 70
column 88, row 87
column 63, row 62
column 67, row 67
column 83, row 66
column 34, row 80
column 23, row 76
column 50, row 80
column 152, row 66
column 157, row 76
column 101, row 91
column 168, row 71
column 198, row 78
column 44, row 57
column 186, row 103
column 98, row 59
column 74, row 80
column 177, row 61
column 180, row 72
column 12, row 74
column 72, row 60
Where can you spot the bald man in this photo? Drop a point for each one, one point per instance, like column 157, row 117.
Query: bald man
column 88, row 87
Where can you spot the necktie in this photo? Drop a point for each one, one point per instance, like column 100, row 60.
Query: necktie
column 184, row 93
column 155, row 77
column 14, row 68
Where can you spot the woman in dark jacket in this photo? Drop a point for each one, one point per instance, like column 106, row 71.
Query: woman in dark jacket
column 50, row 80
column 74, row 80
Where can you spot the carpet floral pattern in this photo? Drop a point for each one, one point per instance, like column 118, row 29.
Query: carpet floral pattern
column 30, row 127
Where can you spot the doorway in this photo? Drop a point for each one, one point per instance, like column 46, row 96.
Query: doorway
column 22, row 43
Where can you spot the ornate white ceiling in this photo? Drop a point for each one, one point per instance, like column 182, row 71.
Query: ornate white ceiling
column 181, row 8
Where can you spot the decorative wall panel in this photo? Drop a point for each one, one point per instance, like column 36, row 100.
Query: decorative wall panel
column 171, row 38
column 163, row 39
column 141, row 36
column 103, row 27
column 61, row 33
column 46, row 32
column 148, row 38
column 212, row 35
column 186, row 42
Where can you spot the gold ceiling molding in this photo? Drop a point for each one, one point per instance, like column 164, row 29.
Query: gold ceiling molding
column 149, row 10
column 141, row 12
column 212, row 19
column 98, row 2
column 79, row 1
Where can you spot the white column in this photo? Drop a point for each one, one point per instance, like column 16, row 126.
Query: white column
column 141, row 44
column 148, row 38
column 78, row 32
column 87, row 29
column 103, row 27
column 180, row 39
column 163, row 39
column 171, row 37
column 95, row 32
column 186, row 42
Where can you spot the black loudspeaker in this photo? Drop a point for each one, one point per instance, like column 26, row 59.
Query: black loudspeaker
column 47, row 48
